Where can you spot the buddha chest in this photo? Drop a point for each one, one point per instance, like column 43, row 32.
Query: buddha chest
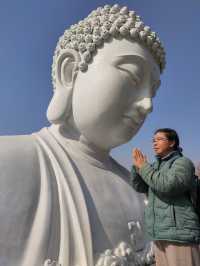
column 115, row 210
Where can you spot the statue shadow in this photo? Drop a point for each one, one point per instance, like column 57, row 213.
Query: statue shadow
column 97, row 230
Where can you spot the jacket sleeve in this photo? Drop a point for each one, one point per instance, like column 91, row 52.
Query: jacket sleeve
column 174, row 181
column 137, row 182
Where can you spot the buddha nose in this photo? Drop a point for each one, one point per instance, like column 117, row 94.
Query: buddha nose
column 145, row 106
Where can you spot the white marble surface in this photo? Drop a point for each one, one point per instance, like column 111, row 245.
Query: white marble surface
column 63, row 199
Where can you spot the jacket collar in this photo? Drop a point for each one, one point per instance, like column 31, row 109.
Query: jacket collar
column 169, row 156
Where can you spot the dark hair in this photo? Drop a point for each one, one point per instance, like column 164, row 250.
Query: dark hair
column 171, row 135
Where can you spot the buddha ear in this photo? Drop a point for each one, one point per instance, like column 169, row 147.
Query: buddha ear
column 66, row 69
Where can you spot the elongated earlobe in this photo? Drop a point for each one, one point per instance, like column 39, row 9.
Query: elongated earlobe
column 66, row 69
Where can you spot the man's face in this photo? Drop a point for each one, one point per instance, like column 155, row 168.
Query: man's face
column 112, row 99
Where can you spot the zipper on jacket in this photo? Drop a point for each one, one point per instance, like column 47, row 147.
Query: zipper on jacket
column 158, row 168
column 174, row 215
column 153, row 216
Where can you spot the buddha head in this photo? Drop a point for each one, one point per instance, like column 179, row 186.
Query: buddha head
column 106, row 70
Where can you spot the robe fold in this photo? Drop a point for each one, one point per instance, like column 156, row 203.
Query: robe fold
column 44, row 210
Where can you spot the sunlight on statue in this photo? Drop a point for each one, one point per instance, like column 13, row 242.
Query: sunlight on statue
column 64, row 200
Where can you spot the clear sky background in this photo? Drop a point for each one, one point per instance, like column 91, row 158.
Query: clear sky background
column 29, row 30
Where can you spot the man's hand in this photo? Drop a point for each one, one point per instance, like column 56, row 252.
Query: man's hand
column 138, row 158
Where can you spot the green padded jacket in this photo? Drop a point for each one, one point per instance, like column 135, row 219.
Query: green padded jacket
column 169, row 214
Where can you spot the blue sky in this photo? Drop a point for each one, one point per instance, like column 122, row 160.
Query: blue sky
column 29, row 31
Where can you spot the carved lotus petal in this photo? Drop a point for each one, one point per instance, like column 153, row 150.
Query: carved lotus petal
column 138, row 18
column 67, row 37
column 98, row 11
column 81, row 23
column 97, row 40
column 147, row 29
column 95, row 22
column 75, row 45
column 80, row 38
column 87, row 30
column 157, row 39
column 73, row 38
column 91, row 47
column 114, row 31
column 118, row 22
column 153, row 34
column 63, row 44
column 123, row 18
column 104, row 18
column 130, row 23
column 149, row 40
column 143, row 35
column 96, row 31
column 107, row 25
column 134, row 33
column 105, row 34
column 115, row 9
column 124, row 10
column 132, row 14
column 107, row 7
column 79, row 30
column 87, row 56
column 88, row 38
column 124, row 31
column 155, row 46
column 82, row 47
column 139, row 25
column 112, row 18
column 92, row 14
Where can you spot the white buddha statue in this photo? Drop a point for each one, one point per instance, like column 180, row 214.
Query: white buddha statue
column 63, row 199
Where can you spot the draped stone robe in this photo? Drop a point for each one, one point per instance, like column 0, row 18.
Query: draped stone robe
column 50, row 207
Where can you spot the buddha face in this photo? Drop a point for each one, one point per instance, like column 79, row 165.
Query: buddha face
column 112, row 99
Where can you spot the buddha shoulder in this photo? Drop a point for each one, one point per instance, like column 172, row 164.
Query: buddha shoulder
column 18, row 158
column 12, row 147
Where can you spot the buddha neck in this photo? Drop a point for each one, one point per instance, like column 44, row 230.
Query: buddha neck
column 72, row 140
column 91, row 149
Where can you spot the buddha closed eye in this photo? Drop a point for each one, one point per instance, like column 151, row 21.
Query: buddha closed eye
column 128, row 64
